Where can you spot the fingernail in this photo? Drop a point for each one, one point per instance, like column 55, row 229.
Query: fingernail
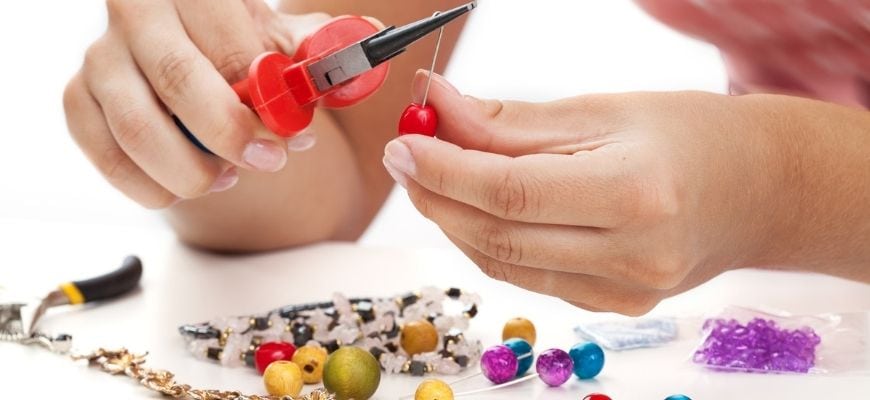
column 302, row 142
column 264, row 156
column 399, row 177
column 399, row 156
column 224, row 182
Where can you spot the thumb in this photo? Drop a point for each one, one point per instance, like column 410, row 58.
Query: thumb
column 513, row 128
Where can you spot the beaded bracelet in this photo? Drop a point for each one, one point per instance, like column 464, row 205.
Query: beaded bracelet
column 373, row 324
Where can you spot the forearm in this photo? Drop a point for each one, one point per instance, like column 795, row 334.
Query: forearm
column 824, row 207
column 334, row 190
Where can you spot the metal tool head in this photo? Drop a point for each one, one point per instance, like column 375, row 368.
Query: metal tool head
column 11, row 326
column 363, row 56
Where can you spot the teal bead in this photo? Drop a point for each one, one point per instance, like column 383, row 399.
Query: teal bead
column 521, row 348
column 678, row 397
column 588, row 359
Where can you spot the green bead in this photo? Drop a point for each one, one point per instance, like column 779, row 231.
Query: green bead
column 351, row 373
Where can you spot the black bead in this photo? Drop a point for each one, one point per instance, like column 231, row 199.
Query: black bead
column 261, row 323
column 214, row 353
column 365, row 310
column 431, row 318
column 302, row 333
column 409, row 299
column 417, row 368
column 454, row 293
column 470, row 311
column 391, row 347
column 445, row 354
column 377, row 352
column 331, row 346
column 199, row 331
column 392, row 333
column 249, row 358
column 461, row 360
column 454, row 335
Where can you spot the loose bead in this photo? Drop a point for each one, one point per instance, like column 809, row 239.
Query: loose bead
column 588, row 359
column 433, row 389
column 270, row 352
column 283, row 378
column 519, row 328
column 597, row 396
column 351, row 373
column 311, row 360
column 524, row 353
column 678, row 397
column 554, row 366
column 419, row 337
column 499, row 364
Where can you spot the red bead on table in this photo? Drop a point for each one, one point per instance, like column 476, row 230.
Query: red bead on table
column 272, row 351
column 596, row 396
column 418, row 119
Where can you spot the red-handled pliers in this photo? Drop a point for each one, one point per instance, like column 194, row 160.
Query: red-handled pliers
column 339, row 65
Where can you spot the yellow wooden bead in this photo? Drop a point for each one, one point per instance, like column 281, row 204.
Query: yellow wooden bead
column 519, row 328
column 311, row 360
column 283, row 378
column 433, row 389
column 419, row 337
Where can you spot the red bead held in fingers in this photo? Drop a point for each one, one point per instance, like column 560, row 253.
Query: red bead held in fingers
column 596, row 396
column 418, row 119
column 270, row 352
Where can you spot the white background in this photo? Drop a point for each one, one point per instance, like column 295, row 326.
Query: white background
column 59, row 220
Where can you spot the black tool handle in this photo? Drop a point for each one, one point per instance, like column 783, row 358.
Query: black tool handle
column 113, row 284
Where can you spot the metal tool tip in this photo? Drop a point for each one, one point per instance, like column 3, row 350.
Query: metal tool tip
column 471, row 6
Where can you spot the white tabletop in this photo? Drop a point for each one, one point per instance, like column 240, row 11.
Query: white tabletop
column 181, row 285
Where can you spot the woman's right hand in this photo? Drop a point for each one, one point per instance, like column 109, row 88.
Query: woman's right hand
column 160, row 58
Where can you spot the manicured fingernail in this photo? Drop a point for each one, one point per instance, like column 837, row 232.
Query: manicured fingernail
column 224, row 182
column 399, row 156
column 302, row 142
column 399, row 177
column 265, row 156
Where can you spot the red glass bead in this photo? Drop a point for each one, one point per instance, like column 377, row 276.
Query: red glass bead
column 418, row 119
column 596, row 396
column 272, row 351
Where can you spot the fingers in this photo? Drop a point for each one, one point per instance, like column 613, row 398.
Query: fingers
column 518, row 128
column 89, row 130
column 225, row 34
column 594, row 293
column 191, row 87
column 594, row 189
column 144, row 131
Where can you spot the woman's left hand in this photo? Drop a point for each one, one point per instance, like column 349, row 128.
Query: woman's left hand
column 610, row 202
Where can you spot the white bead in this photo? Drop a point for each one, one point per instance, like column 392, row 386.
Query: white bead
column 446, row 366
column 199, row 347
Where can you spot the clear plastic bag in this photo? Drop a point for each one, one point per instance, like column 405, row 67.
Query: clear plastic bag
column 756, row 341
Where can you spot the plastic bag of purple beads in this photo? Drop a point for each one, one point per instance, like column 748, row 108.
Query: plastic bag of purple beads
column 747, row 340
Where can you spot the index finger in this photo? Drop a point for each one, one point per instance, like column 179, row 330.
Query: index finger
column 593, row 190
column 193, row 89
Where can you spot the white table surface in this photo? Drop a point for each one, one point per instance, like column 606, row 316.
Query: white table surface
column 181, row 285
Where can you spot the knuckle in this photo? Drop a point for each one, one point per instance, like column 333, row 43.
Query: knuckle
column 163, row 200
column 174, row 71
column 422, row 202
column 114, row 164
column 71, row 94
column 638, row 305
column 232, row 65
column 509, row 198
column 498, row 242
column 494, row 269
column 660, row 273
column 133, row 129
column 197, row 183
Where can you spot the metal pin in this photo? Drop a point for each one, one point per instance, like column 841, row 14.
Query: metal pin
column 434, row 58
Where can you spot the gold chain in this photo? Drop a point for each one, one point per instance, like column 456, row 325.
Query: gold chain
column 122, row 361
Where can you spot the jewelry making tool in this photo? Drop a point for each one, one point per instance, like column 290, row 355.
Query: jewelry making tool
column 19, row 320
column 421, row 118
column 339, row 65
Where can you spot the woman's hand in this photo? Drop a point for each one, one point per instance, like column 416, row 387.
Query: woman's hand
column 614, row 202
column 164, row 57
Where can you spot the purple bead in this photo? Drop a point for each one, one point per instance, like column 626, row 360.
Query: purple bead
column 758, row 346
column 499, row 364
column 555, row 367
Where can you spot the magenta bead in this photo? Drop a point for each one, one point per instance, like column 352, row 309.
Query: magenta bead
column 555, row 367
column 499, row 364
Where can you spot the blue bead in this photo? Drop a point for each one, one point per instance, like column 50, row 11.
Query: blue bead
column 678, row 397
column 588, row 359
column 521, row 347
